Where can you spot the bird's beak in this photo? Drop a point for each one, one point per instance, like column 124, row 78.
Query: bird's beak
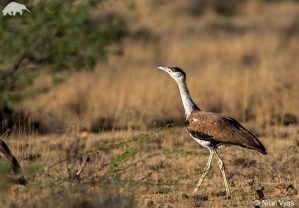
column 163, row 68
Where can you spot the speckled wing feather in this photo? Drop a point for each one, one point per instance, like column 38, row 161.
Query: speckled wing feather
column 223, row 129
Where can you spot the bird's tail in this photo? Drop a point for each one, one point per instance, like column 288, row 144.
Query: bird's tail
column 262, row 149
column 254, row 143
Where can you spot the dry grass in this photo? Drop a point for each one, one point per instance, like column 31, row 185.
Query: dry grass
column 153, row 169
column 245, row 66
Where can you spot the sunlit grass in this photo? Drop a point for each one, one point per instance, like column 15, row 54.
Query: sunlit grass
column 129, row 108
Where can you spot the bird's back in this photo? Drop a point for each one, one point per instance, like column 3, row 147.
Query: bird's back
column 222, row 130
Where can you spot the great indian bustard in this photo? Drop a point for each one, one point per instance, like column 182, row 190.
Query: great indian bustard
column 212, row 130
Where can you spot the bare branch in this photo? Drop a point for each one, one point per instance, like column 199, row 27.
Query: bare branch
column 24, row 59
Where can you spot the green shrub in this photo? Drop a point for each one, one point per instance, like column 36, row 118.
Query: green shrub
column 55, row 36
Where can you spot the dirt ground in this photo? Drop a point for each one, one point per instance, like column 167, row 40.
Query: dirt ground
column 158, row 168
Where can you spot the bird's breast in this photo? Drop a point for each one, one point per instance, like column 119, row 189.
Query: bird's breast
column 205, row 140
column 202, row 141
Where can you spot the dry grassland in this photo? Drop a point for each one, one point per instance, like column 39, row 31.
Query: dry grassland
column 149, row 169
column 245, row 66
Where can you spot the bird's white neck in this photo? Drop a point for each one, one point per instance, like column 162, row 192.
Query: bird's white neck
column 188, row 103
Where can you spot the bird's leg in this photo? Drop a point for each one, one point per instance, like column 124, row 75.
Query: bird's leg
column 222, row 169
column 206, row 170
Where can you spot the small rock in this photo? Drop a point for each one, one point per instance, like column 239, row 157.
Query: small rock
column 291, row 190
column 260, row 193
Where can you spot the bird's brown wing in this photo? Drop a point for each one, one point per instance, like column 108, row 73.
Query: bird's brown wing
column 223, row 129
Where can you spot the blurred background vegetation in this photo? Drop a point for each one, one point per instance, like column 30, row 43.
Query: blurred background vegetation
column 63, row 37
column 90, row 64
column 58, row 38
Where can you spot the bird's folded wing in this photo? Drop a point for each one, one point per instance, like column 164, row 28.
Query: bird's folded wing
column 223, row 129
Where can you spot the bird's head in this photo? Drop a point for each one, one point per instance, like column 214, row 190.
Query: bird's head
column 175, row 72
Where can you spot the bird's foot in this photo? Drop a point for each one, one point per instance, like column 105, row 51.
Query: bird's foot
column 195, row 190
column 228, row 196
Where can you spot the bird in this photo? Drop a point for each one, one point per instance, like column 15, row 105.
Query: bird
column 211, row 130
